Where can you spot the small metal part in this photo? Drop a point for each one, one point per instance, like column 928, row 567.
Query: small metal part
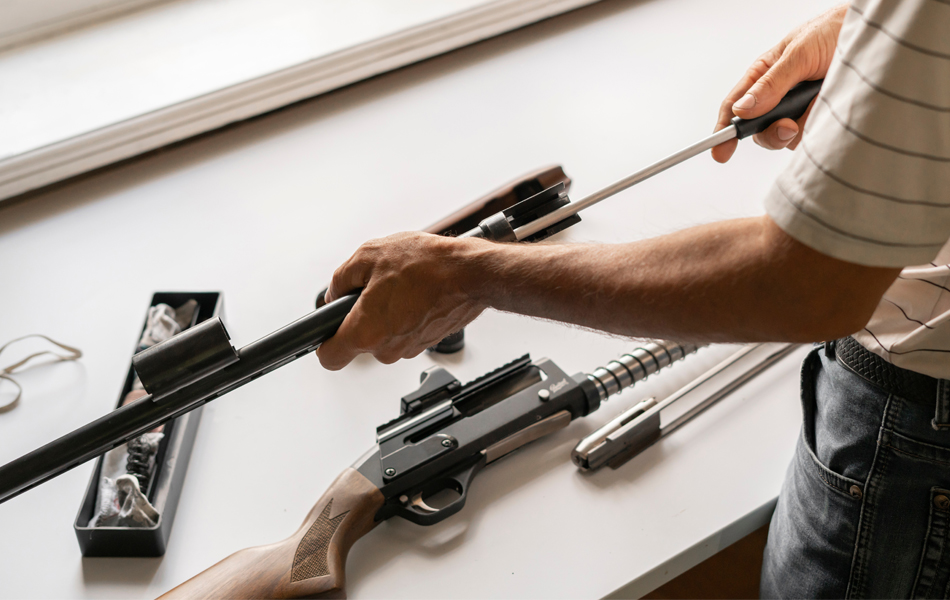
column 855, row 491
column 447, row 443
column 497, row 228
column 596, row 449
column 435, row 383
column 419, row 504
column 139, row 462
column 544, row 394
column 450, row 344
column 500, row 227
column 390, row 472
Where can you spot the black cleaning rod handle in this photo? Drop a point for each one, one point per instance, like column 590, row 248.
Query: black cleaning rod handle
column 792, row 106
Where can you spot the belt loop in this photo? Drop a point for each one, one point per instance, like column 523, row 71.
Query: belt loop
column 942, row 414
column 830, row 349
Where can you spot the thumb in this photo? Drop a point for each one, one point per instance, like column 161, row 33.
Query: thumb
column 768, row 90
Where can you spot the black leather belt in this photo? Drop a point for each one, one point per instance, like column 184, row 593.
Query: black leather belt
column 895, row 380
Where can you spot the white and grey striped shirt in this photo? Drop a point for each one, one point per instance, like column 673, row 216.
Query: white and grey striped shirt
column 870, row 182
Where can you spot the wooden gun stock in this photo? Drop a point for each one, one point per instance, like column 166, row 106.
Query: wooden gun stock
column 308, row 564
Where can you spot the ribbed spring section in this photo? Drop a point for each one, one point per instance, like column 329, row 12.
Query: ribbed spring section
column 637, row 366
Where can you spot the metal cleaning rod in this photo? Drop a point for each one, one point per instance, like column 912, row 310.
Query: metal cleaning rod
column 529, row 229
column 792, row 106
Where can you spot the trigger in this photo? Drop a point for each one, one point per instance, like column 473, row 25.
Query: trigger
column 414, row 507
column 419, row 504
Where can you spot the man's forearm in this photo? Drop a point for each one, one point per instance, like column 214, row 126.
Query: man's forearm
column 740, row 280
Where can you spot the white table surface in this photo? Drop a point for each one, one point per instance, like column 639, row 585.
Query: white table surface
column 266, row 210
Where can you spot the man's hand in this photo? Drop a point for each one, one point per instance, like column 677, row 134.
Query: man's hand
column 804, row 55
column 415, row 292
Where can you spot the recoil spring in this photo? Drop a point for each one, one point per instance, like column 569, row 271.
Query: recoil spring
column 138, row 463
column 636, row 366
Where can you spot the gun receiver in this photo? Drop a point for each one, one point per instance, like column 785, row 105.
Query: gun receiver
column 445, row 435
column 443, row 443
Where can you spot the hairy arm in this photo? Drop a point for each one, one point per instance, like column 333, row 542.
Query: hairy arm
column 738, row 280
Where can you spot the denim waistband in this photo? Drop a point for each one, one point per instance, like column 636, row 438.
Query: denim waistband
column 907, row 384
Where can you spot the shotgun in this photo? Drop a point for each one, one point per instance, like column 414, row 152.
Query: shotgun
column 446, row 434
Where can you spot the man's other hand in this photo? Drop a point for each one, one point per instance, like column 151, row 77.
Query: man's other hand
column 415, row 292
column 803, row 55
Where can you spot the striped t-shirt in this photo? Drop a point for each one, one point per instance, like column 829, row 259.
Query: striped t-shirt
column 870, row 182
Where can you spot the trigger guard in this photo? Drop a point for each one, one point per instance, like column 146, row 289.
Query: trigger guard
column 417, row 511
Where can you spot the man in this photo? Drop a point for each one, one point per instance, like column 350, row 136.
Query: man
column 865, row 509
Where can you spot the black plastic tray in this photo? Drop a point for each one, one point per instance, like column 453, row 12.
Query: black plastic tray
column 171, row 463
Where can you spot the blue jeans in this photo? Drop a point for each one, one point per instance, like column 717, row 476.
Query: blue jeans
column 865, row 508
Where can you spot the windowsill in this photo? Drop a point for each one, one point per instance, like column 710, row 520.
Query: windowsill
column 109, row 91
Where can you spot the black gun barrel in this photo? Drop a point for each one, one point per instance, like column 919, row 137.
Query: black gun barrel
column 198, row 365
column 117, row 427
